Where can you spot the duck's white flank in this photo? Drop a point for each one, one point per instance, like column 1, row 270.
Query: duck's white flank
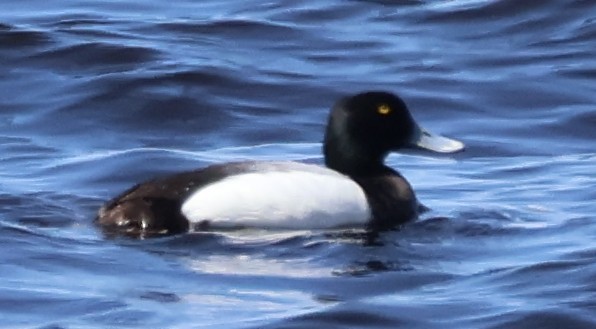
column 289, row 199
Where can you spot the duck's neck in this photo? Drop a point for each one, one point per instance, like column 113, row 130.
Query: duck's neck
column 353, row 160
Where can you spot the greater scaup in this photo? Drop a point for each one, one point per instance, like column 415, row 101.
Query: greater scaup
column 355, row 187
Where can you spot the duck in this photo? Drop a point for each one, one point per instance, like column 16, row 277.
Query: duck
column 354, row 188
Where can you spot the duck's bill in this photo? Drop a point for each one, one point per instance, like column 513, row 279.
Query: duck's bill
column 427, row 141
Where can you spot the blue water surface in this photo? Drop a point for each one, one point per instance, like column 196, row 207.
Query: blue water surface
column 98, row 95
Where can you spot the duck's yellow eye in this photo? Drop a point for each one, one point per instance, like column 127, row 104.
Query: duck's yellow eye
column 383, row 109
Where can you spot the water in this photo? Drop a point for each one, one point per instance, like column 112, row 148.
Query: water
column 98, row 95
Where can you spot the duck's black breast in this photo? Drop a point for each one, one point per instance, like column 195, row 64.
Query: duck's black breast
column 391, row 199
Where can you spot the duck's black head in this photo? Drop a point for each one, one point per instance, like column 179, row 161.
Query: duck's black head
column 364, row 128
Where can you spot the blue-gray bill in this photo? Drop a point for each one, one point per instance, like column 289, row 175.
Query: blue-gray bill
column 437, row 143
